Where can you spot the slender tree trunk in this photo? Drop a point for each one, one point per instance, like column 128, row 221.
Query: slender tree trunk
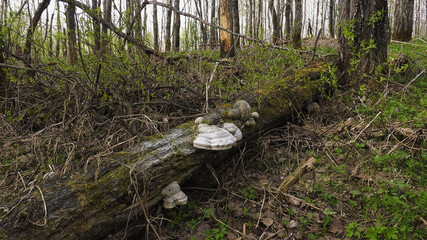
column 296, row 38
column 275, row 21
column 107, row 17
column 236, row 22
column 155, row 28
column 199, row 11
column 51, row 34
column 138, row 22
column 226, row 46
column 33, row 24
column 251, row 19
column 288, row 12
column 58, row 29
column 71, row 34
column 356, row 18
column 332, row 18
column 213, row 35
column 176, row 27
column 3, row 79
column 404, row 19
column 96, row 28
column 168, row 27
column 317, row 17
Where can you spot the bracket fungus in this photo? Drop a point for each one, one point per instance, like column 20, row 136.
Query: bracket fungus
column 213, row 138
column 172, row 196
column 233, row 129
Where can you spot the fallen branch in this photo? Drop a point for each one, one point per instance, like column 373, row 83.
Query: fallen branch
column 292, row 178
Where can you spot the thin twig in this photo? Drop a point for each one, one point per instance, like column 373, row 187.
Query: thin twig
column 315, row 44
column 407, row 85
column 260, row 210
column 208, row 86
column 369, row 124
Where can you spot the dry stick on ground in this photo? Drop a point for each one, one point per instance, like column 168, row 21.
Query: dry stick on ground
column 407, row 85
column 206, row 107
column 295, row 175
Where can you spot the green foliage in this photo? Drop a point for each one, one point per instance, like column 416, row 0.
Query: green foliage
column 217, row 233
column 249, row 193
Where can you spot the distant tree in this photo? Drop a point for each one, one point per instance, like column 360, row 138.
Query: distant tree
column 363, row 35
column 296, row 37
column 332, row 18
column 235, row 20
column 96, row 28
column 403, row 21
column 276, row 20
column 226, row 47
column 176, row 27
column 288, row 19
column 71, row 34
column 3, row 79
column 30, row 31
column 155, row 28
column 213, row 32
column 107, row 17
column 168, row 27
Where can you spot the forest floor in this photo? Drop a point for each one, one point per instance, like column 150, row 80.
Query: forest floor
column 368, row 139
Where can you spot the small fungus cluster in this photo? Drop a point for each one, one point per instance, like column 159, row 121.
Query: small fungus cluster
column 173, row 196
column 242, row 111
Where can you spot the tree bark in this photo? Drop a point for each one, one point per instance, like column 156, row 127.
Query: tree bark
column 96, row 28
column 3, row 79
column 33, row 24
column 363, row 23
column 97, row 203
column 71, row 34
column 275, row 19
column 107, row 17
column 176, row 27
column 404, row 19
column 288, row 21
column 155, row 28
column 226, row 47
column 296, row 37
column 332, row 18
column 236, row 22
column 213, row 32
column 168, row 27
column 58, row 30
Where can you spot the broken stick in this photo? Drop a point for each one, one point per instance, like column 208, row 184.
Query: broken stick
column 295, row 175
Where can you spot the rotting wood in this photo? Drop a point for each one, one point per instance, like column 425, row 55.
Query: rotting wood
column 292, row 178
column 99, row 202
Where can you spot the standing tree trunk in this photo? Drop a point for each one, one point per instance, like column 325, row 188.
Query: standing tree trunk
column 226, row 46
column 96, row 28
column 332, row 18
column 58, row 30
column 236, row 21
column 176, row 27
column 296, row 38
column 213, row 38
column 259, row 21
column 3, row 80
column 363, row 36
column 275, row 19
column 107, row 17
column 155, row 28
column 288, row 11
column 71, row 34
column 168, row 27
column 250, row 19
column 404, row 18
column 138, row 21
column 33, row 24
column 199, row 11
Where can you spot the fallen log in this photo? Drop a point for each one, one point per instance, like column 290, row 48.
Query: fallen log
column 101, row 201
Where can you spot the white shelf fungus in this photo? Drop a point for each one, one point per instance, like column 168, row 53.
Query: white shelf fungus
column 233, row 129
column 172, row 196
column 213, row 138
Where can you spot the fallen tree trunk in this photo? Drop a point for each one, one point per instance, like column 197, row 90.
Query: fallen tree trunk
column 101, row 201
